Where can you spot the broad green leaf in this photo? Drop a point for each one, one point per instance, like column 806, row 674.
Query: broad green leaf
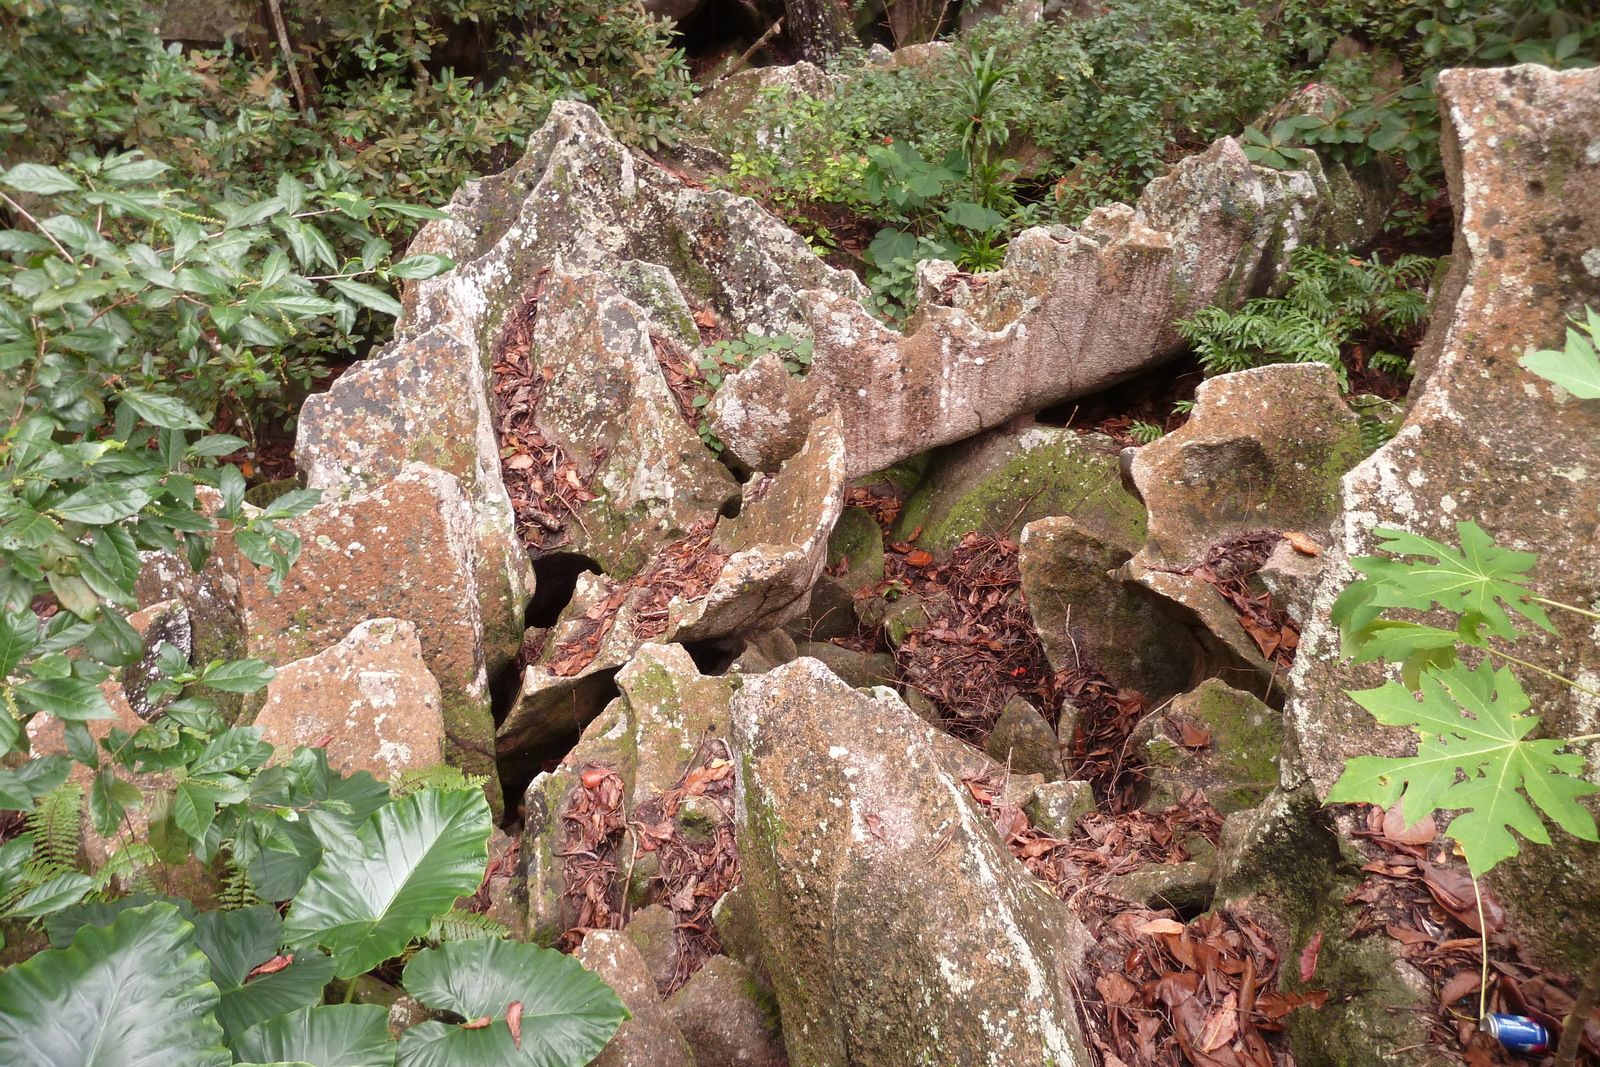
column 81, row 293
column 294, row 503
column 337, row 1035
column 19, row 632
column 237, row 942
column 110, row 798
column 367, row 296
column 235, row 747
column 103, row 503
column 37, row 178
column 136, row 170
column 1575, row 368
column 164, row 411
column 409, row 863
column 69, row 699
column 1481, row 578
column 974, row 217
column 52, row 895
column 891, row 244
column 14, row 792
column 64, row 925
column 239, row 676
column 1472, row 724
column 426, row 265
column 416, row 211
column 135, row 994
column 568, row 1013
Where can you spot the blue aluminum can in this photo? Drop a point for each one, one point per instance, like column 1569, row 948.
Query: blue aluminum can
column 1517, row 1033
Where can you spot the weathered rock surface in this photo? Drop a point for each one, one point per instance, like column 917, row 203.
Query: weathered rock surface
column 1088, row 617
column 1071, row 312
column 843, row 801
column 405, row 550
column 1264, row 449
column 650, row 1038
column 1024, row 743
column 1000, row 481
column 1234, row 763
column 1488, row 441
column 777, row 549
column 665, row 711
column 370, row 693
column 724, row 1020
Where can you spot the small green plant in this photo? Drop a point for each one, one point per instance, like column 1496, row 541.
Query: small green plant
column 1144, row 432
column 731, row 356
column 1331, row 301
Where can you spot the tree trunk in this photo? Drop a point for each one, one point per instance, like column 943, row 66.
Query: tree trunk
column 818, row 28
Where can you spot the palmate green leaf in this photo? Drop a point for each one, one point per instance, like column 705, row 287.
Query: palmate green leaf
column 409, row 863
column 1481, row 579
column 1576, row 368
column 1473, row 725
column 237, row 942
column 137, row 993
column 337, row 1035
column 568, row 1013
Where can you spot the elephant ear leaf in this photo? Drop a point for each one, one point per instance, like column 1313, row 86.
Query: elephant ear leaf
column 137, row 993
column 236, row 943
column 566, row 1014
column 335, row 1035
column 410, row 862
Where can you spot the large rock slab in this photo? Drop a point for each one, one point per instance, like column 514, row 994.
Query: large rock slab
column 725, row 1019
column 899, row 929
column 370, row 694
column 774, row 552
column 1264, row 449
column 1000, row 481
column 665, row 711
column 1486, row 440
column 1071, row 312
column 406, row 549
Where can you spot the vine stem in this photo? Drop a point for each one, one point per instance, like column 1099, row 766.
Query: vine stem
column 1572, row 1026
column 1483, row 940
column 1565, row 607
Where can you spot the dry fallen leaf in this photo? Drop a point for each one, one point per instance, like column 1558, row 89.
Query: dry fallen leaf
column 1460, row 984
column 1221, row 1024
column 272, row 966
column 1159, row 926
column 514, row 1020
column 476, row 1024
column 1308, row 957
column 1192, row 736
column 919, row 558
column 592, row 779
column 1301, row 543
column 519, row 462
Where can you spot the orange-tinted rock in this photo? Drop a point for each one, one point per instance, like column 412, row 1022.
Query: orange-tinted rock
column 370, row 693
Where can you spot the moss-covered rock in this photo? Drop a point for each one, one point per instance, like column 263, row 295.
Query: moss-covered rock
column 1238, row 764
column 1000, row 481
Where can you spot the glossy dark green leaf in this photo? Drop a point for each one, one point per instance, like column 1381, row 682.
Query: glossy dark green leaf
column 135, row 994
column 336, row 1035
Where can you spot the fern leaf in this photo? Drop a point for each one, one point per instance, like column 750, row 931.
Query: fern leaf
column 56, row 825
column 458, row 925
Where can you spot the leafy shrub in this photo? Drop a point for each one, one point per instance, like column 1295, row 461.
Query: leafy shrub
column 1330, row 301
column 732, row 356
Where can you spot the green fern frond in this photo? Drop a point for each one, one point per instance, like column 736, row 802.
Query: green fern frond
column 458, row 925
column 438, row 776
column 127, row 870
column 56, row 825
column 237, row 890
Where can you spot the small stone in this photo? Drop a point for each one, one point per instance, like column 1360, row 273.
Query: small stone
column 726, row 1019
column 652, row 931
column 1024, row 742
column 1236, row 767
column 650, row 1038
column 1185, row 887
column 1056, row 807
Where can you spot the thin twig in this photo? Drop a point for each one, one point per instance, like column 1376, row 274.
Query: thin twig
column 20, row 210
column 739, row 64
column 288, row 57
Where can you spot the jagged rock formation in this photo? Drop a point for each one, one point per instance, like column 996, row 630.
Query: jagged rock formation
column 879, row 885
column 1487, row 441
column 1071, row 312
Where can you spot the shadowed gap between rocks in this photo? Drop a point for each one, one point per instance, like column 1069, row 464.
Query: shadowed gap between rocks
column 587, row 699
column 556, row 576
